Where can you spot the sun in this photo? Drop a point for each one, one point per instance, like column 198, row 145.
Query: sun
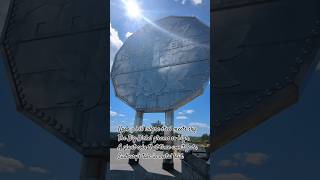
column 133, row 10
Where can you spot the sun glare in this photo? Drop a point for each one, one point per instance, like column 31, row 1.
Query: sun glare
column 133, row 9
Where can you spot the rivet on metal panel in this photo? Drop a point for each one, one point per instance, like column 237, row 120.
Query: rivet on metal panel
column 103, row 144
column 29, row 107
column 268, row 92
column 278, row 86
column 40, row 114
column 58, row 127
column 7, row 46
column 16, row 76
column 36, row 111
column 9, row 29
column 306, row 50
column 10, row 58
column 94, row 145
column 53, row 122
column 14, row 69
column 6, row 41
column 24, row 103
column 64, row 131
column 237, row 111
column 217, row 124
column 308, row 40
column 293, row 69
column 47, row 119
column 12, row 63
column 248, row 106
column 15, row 5
column 78, row 140
column 315, row 32
column 11, row 21
column 258, row 99
column 227, row 118
column 299, row 60
column 71, row 135
column 19, row 89
column 22, row 96
column 288, row 79
column 7, row 34
column 85, row 145
column 18, row 83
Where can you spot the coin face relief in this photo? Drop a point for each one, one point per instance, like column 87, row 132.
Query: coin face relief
column 58, row 74
column 259, row 69
column 164, row 65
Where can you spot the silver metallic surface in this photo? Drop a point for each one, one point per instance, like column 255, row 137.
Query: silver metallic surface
column 169, row 122
column 263, row 52
column 55, row 54
column 4, row 6
column 138, row 121
column 93, row 168
column 164, row 65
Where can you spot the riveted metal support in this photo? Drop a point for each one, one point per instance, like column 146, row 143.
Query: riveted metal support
column 167, row 164
column 93, row 168
column 137, row 123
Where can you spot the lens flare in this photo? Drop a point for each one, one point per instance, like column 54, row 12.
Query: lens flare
column 133, row 10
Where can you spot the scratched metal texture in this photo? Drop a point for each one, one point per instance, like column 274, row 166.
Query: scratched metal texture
column 56, row 58
column 263, row 52
column 164, row 65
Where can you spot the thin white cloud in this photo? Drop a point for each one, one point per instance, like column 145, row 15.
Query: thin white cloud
column 195, row 2
column 198, row 124
column 10, row 165
column 227, row 163
column 115, row 44
column 37, row 170
column 113, row 113
column 128, row 34
column 181, row 117
column 256, row 159
column 114, row 37
column 121, row 115
column 231, row 176
column 189, row 111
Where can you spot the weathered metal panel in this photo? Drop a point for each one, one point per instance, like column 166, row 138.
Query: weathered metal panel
column 163, row 65
column 56, row 58
column 263, row 51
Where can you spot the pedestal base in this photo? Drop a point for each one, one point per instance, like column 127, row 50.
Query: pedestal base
column 133, row 161
column 93, row 168
column 167, row 166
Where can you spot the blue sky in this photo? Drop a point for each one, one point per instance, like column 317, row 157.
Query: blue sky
column 285, row 147
column 29, row 152
column 195, row 113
